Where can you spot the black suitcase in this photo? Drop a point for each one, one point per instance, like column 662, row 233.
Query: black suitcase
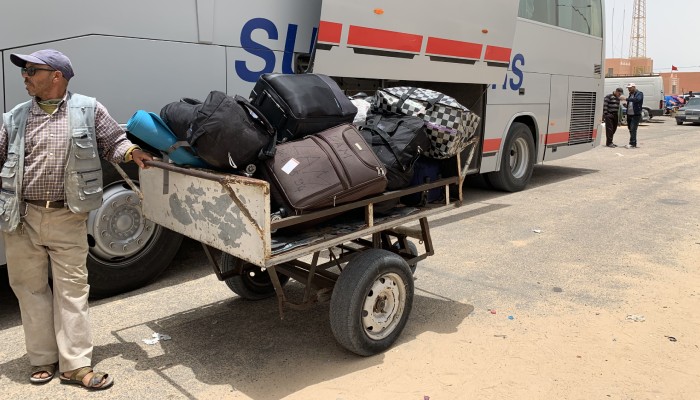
column 331, row 168
column 301, row 104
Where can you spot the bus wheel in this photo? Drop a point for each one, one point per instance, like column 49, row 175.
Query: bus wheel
column 126, row 250
column 517, row 160
column 251, row 282
column 371, row 302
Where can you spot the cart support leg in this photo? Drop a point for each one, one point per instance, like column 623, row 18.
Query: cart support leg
column 281, row 299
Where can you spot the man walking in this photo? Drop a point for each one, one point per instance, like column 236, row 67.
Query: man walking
column 611, row 108
column 50, row 148
column 635, row 99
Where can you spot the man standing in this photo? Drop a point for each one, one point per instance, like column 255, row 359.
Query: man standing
column 50, row 148
column 635, row 99
column 611, row 108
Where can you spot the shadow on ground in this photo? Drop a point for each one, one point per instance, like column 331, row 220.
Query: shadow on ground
column 246, row 346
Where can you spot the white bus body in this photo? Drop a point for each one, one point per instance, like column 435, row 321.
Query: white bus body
column 531, row 69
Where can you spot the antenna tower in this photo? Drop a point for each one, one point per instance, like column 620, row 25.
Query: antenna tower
column 638, row 39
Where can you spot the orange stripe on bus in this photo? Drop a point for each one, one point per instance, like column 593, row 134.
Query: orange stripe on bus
column 453, row 48
column 381, row 39
column 495, row 53
column 554, row 138
column 329, row 32
column 491, row 145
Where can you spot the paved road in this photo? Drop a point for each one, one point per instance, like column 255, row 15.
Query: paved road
column 580, row 239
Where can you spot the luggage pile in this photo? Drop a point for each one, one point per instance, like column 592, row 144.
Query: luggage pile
column 304, row 136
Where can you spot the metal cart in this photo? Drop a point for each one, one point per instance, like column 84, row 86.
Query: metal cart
column 363, row 264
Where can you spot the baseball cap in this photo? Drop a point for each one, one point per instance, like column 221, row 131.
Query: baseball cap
column 631, row 85
column 53, row 58
column 619, row 90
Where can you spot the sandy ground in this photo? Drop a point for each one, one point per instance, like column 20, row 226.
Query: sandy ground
column 604, row 303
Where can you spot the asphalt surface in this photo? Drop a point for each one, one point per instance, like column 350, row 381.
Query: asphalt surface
column 558, row 242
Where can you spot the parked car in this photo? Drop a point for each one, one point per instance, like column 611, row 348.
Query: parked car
column 690, row 112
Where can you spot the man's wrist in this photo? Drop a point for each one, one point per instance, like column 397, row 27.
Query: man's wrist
column 129, row 156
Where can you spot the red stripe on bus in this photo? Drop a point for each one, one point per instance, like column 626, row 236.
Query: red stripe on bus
column 453, row 48
column 381, row 39
column 555, row 138
column 491, row 145
column 495, row 53
column 329, row 32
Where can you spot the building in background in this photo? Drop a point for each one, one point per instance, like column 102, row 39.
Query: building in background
column 628, row 67
column 681, row 82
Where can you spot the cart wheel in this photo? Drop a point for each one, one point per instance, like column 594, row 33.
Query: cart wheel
column 371, row 302
column 251, row 283
column 412, row 250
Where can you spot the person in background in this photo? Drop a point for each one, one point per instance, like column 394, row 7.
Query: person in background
column 50, row 148
column 635, row 99
column 611, row 108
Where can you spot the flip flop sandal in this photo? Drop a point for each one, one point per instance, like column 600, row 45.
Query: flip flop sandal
column 99, row 380
column 49, row 369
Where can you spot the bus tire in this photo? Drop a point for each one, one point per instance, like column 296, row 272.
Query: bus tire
column 371, row 302
column 251, row 282
column 517, row 160
column 126, row 251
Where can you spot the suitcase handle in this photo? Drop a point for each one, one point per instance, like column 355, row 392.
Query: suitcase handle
column 269, row 150
column 431, row 102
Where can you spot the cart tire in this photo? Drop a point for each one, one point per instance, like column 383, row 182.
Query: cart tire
column 371, row 302
column 412, row 249
column 251, row 283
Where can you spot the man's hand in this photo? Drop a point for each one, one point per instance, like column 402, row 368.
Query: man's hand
column 139, row 156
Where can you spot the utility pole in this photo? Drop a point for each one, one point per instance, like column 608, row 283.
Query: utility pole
column 638, row 39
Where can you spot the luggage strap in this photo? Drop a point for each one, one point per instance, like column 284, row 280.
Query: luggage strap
column 268, row 151
column 178, row 144
column 407, row 95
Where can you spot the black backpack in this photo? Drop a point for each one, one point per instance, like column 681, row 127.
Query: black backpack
column 179, row 115
column 229, row 133
column 398, row 141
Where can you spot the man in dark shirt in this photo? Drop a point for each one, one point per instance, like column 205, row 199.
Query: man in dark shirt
column 635, row 99
column 611, row 108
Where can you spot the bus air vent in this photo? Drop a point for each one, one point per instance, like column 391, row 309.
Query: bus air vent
column 597, row 69
column 582, row 117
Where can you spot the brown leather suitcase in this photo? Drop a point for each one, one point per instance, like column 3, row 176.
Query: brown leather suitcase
column 332, row 167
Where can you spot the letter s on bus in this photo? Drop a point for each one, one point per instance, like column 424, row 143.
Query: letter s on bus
column 517, row 59
column 257, row 49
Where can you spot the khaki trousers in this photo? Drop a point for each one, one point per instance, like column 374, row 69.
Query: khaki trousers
column 56, row 324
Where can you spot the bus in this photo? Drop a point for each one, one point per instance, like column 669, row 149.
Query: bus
column 532, row 69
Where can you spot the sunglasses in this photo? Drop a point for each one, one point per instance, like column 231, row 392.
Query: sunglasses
column 30, row 71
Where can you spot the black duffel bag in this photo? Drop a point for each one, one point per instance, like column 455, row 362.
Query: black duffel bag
column 397, row 141
column 228, row 132
column 179, row 115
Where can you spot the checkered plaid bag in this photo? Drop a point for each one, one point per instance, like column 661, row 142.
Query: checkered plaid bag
column 450, row 124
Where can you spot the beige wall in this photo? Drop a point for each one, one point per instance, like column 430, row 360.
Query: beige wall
column 628, row 66
column 683, row 82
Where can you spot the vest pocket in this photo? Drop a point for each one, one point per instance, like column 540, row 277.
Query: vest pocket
column 89, row 184
column 8, row 172
column 84, row 147
column 7, row 203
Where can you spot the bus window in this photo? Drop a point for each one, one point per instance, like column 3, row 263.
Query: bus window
column 539, row 10
column 583, row 16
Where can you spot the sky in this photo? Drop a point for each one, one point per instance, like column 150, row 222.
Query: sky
column 670, row 26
